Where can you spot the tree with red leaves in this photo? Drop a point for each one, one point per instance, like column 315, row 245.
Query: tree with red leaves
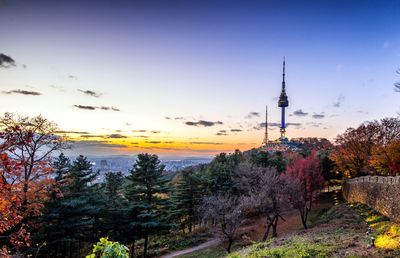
column 25, row 174
column 303, row 180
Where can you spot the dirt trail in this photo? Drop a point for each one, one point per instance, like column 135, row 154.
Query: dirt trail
column 212, row 242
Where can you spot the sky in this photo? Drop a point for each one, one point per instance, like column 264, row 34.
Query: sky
column 192, row 78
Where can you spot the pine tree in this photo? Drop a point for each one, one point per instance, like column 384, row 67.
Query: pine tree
column 72, row 217
column 50, row 236
column 147, row 191
column 186, row 198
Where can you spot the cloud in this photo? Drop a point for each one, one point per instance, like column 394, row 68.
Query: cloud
column 252, row 115
column 236, row 130
column 6, row 61
column 23, row 92
column 95, row 107
column 96, row 144
column 91, row 136
column 314, row 124
column 221, row 133
column 85, row 107
column 271, row 125
column 153, row 142
column 339, row 101
column 362, row 112
column 139, row 131
column 300, row 113
column 72, row 77
column 203, row 123
column 71, row 132
column 155, row 132
column 206, row 143
column 116, row 136
column 109, row 108
column 318, row 116
column 91, row 93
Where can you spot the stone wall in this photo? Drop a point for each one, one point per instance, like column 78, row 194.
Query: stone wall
column 379, row 193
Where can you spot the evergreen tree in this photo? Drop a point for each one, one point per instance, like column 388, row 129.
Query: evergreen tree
column 147, row 191
column 186, row 198
column 72, row 217
column 220, row 170
column 113, row 220
column 50, row 237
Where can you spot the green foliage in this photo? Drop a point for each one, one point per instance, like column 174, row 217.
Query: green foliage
column 108, row 249
column 220, row 170
column 294, row 248
column 147, row 191
column 186, row 198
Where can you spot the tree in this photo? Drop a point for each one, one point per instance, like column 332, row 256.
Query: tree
column 73, row 217
column 303, row 179
column 51, row 231
column 186, row 198
column 28, row 142
column 356, row 147
column 386, row 159
column 147, row 189
column 227, row 212
column 220, row 170
column 264, row 187
column 353, row 149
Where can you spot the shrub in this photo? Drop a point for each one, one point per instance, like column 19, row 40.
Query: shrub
column 108, row 249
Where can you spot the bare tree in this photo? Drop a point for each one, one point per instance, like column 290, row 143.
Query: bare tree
column 265, row 189
column 227, row 212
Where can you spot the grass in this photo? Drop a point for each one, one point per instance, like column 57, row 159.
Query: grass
column 385, row 232
column 297, row 247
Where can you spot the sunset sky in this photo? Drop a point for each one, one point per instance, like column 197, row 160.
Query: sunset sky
column 192, row 78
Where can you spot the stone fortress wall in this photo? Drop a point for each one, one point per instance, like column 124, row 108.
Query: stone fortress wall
column 378, row 192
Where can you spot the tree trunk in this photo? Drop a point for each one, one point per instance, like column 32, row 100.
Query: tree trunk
column 132, row 251
column 230, row 241
column 274, row 225
column 146, row 240
column 304, row 214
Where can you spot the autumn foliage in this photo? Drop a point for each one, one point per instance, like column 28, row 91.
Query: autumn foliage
column 26, row 145
column 371, row 148
column 303, row 181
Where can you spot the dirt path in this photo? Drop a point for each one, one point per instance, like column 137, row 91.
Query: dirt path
column 212, row 242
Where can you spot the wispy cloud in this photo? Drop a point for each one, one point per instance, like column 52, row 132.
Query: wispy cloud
column 85, row 107
column 116, row 136
column 300, row 113
column 22, row 92
column 6, row 61
column 71, row 132
column 221, row 133
column 339, row 101
column 318, row 116
column 252, row 115
column 206, row 143
column 96, row 144
column 91, row 93
column 96, row 107
column 203, row 123
column 236, row 130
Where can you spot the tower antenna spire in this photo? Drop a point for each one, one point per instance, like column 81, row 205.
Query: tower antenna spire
column 265, row 142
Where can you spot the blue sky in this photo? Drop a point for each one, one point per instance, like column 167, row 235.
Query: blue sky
column 215, row 61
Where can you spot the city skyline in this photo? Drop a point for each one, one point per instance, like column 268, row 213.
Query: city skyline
column 193, row 79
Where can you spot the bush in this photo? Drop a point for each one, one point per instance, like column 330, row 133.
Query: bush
column 108, row 249
column 295, row 248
